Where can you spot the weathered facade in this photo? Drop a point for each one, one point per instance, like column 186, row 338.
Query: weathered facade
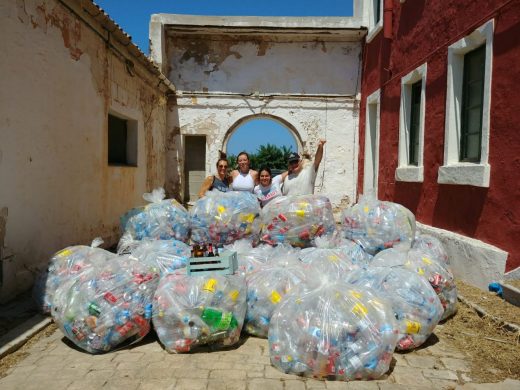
column 302, row 72
column 65, row 67
column 470, row 202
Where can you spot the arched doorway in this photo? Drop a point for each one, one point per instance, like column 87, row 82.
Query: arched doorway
column 267, row 139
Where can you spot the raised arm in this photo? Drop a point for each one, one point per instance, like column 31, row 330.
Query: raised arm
column 319, row 154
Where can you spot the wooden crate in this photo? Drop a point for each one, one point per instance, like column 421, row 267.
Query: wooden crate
column 224, row 264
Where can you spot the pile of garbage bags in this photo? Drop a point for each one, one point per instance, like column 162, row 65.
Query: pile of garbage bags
column 333, row 303
column 335, row 332
column 377, row 225
column 297, row 220
column 224, row 217
column 191, row 311
column 106, row 307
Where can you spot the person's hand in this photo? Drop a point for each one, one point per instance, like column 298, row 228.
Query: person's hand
column 322, row 142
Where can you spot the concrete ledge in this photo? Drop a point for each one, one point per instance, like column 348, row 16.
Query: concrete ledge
column 17, row 337
column 482, row 313
column 471, row 260
column 511, row 294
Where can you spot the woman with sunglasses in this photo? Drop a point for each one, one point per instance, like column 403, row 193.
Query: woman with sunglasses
column 220, row 181
column 244, row 178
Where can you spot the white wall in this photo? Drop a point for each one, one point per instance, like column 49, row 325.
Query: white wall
column 58, row 83
column 332, row 119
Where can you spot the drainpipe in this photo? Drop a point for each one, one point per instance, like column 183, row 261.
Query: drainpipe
column 387, row 19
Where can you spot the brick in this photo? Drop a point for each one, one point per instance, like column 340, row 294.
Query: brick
column 315, row 384
column 421, row 361
column 440, row 374
column 194, row 373
column 122, row 383
column 255, row 374
column 336, row 385
column 216, row 384
column 410, row 376
column 395, row 386
column 274, row 373
column 362, row 385
column 154, row 384
column 456, row 364
column 400, row 360
column 191, row 384
column 227, row 374
column 265, row 384
column 294, row 384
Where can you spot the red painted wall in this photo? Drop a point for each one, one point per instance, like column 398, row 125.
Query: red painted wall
column 422, row 31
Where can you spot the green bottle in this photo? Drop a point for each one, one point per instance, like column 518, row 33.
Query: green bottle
column 218, row 320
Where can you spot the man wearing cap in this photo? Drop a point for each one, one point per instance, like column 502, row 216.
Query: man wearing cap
column 301, row 173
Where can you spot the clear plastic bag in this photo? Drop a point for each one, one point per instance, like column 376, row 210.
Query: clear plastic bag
column 436, row 272
column 66, row 264
column 106, row 307
column 266, row 289
column 431, row 245
column 162, row 256
column 332, row 264
column 378, row 225
column 191, row 311
column 224, row 217
column 335, row 332
column 297, row 220
column 416, row 306
column 159, row 220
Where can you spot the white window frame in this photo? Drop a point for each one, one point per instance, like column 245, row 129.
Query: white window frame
column 453, row 171
column 374, row 98
column 373, row 27
column 404, row 171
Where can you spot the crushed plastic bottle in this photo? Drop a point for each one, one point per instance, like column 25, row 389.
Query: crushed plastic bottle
column 378, row 225
column 191, row 311
column 224, row 217
column 66, row 264
column 416, row 306
column 296, row 220
column 106, row 307
column 334, row 332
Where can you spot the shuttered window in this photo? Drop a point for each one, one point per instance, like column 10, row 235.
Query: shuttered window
column 472, row 105
column 415, row 113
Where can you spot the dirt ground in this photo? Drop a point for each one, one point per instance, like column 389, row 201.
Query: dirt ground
column 493, row 352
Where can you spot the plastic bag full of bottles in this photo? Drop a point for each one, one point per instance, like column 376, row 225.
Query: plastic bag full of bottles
column 435, row 271
column 106, row 307
column 64, row 265
column 224, row 217
column 416, row 306
column 191, row 311
column 335, row 332
column 297, row 220
column 161, row 219
column 377, row 225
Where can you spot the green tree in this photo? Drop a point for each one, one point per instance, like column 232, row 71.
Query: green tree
column 269, row 155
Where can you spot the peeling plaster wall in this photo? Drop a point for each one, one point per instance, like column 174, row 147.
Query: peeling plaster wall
column 309, row 85
column 333, row 119
column 264, row 65
column 59, row 81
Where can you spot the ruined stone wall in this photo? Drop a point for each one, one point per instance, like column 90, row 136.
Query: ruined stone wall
column 309, row 84
column 61, row 77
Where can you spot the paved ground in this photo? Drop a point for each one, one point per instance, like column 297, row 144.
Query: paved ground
column 52, row 363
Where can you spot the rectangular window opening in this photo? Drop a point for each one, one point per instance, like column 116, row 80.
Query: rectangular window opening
column 472, row 105
column 122, row 141
column 415, row 114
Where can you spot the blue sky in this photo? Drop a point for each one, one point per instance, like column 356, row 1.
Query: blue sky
column 134, row 17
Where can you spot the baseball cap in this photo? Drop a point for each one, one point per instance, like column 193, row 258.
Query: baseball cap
column 293, row 157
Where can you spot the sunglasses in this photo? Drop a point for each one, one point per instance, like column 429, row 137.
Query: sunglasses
column 222, row 166
column 294, row 162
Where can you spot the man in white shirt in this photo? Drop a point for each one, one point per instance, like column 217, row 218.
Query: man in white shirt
column 301, row 174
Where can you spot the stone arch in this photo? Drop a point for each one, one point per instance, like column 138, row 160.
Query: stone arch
column 300, row 144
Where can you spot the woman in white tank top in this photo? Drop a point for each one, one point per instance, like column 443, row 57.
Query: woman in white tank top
column 244, row 179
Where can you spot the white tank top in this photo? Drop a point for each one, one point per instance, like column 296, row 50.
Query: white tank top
column 243, row 182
